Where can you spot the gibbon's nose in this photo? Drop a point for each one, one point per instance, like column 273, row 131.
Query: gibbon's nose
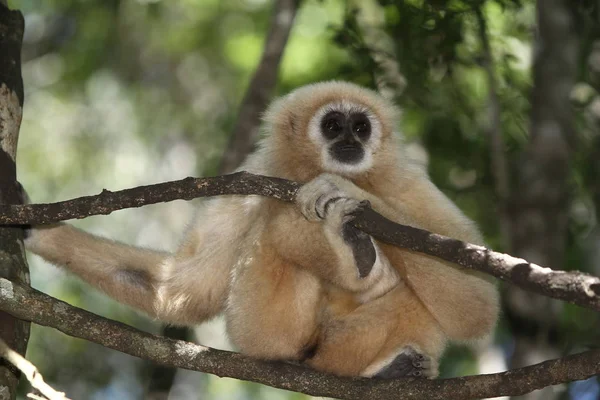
column 349, row 136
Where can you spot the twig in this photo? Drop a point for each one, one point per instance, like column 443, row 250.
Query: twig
column 575, row 287
column 31, row 305
column 30, row 371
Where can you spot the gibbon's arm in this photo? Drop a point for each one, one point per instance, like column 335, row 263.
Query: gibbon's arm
column 322, row 241
column 464, row 302
column 185, row 288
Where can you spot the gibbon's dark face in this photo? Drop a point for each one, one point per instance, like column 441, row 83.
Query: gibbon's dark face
column 346, row 134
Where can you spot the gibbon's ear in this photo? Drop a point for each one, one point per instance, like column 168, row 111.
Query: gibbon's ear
column 293, row 124
column 281, row 116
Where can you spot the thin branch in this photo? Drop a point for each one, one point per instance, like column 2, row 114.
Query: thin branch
column 31, row 305
column 30, row 371
column 261, row 87
column 239, row 183
column 575, row 287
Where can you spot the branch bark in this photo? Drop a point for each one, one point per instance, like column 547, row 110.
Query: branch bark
column 574, row 287
column 261, row 86
column 29, row 304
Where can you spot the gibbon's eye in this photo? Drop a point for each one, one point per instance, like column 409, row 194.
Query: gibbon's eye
column 332, row 124
column 361, row 126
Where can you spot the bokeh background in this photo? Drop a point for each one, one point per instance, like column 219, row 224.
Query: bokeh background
column 120, row 93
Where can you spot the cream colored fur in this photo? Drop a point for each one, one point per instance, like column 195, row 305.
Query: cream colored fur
column 285, row 281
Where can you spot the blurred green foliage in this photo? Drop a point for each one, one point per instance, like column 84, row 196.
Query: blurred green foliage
column 123, row 93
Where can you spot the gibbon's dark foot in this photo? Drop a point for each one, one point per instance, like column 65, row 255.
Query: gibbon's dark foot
column 362, row 247
column 408, row 364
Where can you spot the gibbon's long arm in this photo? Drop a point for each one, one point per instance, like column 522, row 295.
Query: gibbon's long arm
column 184, row 288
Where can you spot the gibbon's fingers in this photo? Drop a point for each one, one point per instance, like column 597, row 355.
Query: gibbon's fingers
column 314, row 197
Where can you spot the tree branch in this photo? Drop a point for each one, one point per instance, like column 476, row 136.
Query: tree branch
column 575, row 287
column 31, row 305
column 30, row 371
column 261, row 87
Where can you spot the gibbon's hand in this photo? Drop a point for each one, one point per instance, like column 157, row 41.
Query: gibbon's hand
column 321, row 199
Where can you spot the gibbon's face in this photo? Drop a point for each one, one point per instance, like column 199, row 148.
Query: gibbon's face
column 334, row 127
column 348, row 134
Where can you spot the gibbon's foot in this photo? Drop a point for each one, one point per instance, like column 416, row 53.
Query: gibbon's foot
column 409, row 363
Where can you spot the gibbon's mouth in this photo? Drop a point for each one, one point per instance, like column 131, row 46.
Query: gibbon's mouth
column 347, row 153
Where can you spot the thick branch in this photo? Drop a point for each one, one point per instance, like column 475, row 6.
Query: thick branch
column 29, row 304
column 574, row 287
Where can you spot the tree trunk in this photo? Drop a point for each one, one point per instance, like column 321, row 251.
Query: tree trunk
column 539, row 204
column 13, row 264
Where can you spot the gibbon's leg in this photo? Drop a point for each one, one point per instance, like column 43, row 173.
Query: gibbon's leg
column 273, row 307
column 390, row 337
column 185, row 288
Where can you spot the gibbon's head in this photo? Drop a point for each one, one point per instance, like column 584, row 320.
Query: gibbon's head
column 335, row 127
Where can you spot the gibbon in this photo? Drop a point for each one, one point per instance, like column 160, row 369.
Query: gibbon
column 296, row 281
